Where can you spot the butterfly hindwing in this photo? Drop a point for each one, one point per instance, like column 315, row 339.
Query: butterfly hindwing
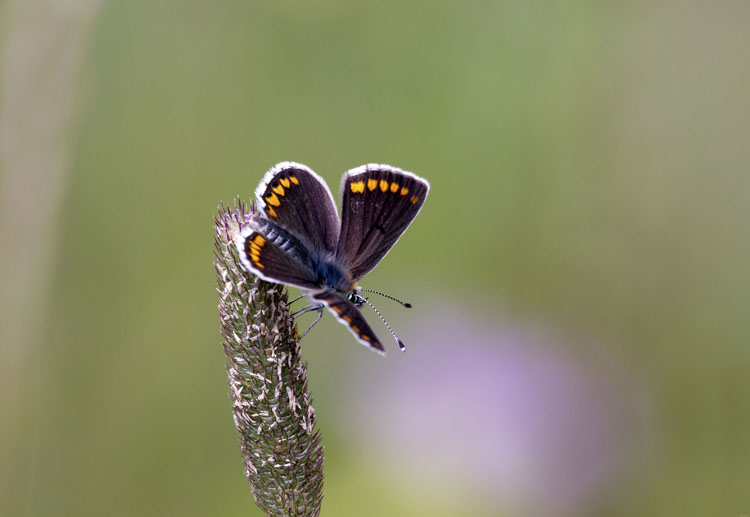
column 296, row 198
column 348, row 314
column 378, row 203
column 275, row 255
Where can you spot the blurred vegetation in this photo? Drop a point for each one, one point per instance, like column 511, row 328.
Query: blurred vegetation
column 589, row 168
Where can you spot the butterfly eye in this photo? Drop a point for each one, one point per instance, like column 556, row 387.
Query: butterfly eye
column 356, row 299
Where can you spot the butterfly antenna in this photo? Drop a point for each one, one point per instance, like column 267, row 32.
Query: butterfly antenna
column 405, row 304
column 401, row 344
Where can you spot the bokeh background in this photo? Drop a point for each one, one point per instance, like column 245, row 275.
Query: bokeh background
column 580, row 342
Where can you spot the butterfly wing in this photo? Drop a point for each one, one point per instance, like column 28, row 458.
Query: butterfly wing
column 296, row 198
column 348, row 314
column 275, row 255
column 378, row 203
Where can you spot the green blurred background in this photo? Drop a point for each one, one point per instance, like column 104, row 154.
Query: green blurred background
column 589, row 166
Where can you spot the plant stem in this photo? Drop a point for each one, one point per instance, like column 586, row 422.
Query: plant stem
column 268, row 382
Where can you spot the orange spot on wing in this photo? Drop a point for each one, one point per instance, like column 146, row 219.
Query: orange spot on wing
column 272, row 212
column 294, row 180
column 284, row 182
column 383, row 185
column 404, row 191
column 273, row 200
column 358, row 186
column 371, row 184
column 394, row 187
column 255, row 253
column 279, row 190
column 335, row 308
column 365, row 337
column 355, row 329
column 346, row 319
column 259, row 240
column 414, row 200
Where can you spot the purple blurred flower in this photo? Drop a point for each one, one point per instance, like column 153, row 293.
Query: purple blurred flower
column 504, row 414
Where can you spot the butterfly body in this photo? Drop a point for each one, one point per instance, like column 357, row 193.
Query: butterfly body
column 332, row 276
column 296, row 237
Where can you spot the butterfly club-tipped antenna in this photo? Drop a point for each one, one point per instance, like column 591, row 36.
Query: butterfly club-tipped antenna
column 359, row 300
column 404, row 304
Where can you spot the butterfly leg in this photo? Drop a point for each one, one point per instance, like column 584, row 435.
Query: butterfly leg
column 317, row 307
column 306, row 309
column 297, row 298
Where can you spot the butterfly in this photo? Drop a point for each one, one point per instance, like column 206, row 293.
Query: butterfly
column 296, row 237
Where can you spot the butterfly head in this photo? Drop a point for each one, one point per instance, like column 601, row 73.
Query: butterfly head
column 357, row 299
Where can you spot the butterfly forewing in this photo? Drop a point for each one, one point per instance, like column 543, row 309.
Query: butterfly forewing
column 378, row 203
column 294, row 197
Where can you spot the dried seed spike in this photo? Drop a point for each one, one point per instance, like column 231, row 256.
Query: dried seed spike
column 268, row 382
